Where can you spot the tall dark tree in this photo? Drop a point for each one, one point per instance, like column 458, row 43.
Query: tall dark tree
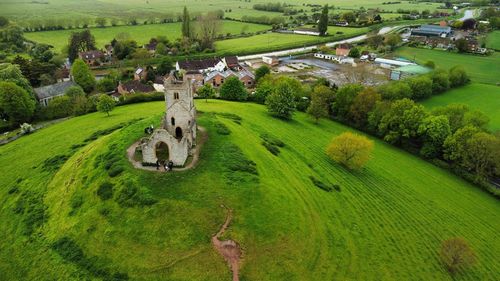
column 186, row 24
column 80, row 42
column 323, row 21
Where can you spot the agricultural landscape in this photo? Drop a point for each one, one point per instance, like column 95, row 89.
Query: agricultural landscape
column 249, row 140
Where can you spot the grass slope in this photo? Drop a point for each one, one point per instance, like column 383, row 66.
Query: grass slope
column 480, row 68
column 140, row 33
column 493, row 40
column 386, row 223
column 482, row 97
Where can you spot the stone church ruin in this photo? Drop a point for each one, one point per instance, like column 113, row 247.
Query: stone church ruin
column 176, row 137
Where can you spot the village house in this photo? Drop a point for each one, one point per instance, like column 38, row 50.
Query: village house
column 92, row 58
column 134, row 86
column 140, row 73
column 46, row 93
column 232, row 62
column 151, row 46
column 108, row 52
column 217, row 78
column 343, row 50
column 201, row 66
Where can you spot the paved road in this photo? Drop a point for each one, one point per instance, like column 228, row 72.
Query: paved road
column 384, row 30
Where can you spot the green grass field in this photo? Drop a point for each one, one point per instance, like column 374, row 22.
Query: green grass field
column 387, row 222
column 140, row 33
column 480, row 68
column 276, row 41
column 482, row 97
column 74, row 9
column 493, row 40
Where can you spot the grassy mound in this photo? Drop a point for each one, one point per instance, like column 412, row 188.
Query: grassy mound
column 71, row 219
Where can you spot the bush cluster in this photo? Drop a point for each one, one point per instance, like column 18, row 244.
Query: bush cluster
column 271, row 143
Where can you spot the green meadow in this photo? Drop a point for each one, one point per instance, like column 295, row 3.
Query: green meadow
column 482, row 97
column 140, row 33
column 493, row 40
column 386, row 222
column 480, row 68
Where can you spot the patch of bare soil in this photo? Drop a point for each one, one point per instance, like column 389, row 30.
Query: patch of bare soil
column 229, row 249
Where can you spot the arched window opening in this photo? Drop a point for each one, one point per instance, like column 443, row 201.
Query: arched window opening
column 176, row 96
column 178, row 133
column 161, row 151
column 172, row 121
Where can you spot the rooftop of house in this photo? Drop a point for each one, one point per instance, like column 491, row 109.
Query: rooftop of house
column 224, row 74
column 433, row 29
column 137, row 87
column 139, row 70
column 190, row 65
column 231, row 61
column 159, row 79
column 344, row 46
column 95, row 54
column 53, row 90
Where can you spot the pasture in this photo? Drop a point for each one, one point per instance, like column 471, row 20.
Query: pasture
column 480, row 68
column 123, row 10
column 493, row 40
column 140, row 33
column 482, row 97
column 277, row 41
column 386, row 223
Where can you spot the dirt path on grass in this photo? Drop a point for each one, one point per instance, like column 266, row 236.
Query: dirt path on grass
column 228, row 249
column 203, row 137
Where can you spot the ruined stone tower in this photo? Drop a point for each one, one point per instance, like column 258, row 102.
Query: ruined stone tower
column 178, row 128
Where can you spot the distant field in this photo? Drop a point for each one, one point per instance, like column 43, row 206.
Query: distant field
column 480, row 68
column 493, row 40
column 74, row 9
column 274, row 41
column 483, row 97
column 140, row 33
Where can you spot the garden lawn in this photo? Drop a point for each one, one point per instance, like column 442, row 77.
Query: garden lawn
column 139, row 33
column 482, row 97
column 386, row 223
column 482, row 69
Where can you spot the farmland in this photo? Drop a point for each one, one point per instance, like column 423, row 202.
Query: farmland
column 275, row 41
column 90, row 9
column 482, row 97
column 480, row 68
column 140, row 33
column 493, row 40
column 386, row 223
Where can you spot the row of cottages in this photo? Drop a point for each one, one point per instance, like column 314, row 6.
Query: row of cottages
column 215, row 71
column 335, row 58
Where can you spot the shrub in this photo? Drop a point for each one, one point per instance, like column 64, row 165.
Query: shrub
column 272, row 148
column 272, row 140
column 320, row 184
column 54, row 163
column 233, row 89
column 350, row 150
column 31, row 206
column 236, row 118
column 130, row 195
column 115, row 170
column 105, row 191
column 222, row 129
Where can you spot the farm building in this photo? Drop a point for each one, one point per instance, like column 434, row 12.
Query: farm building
column 432, row 30
column 335, row 58
column 306, row 31
column 403, row 72
column 272, row 61
column 46, row 93
column 388, row 63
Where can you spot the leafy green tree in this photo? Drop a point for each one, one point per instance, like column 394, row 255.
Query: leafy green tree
column 323, row 21
column 261, row 72
column 434, row 130
column 161, row 49
column 59, row 107
column 477, row 119
column 105, row 85
column 354, row 53
column 233, row 89
column 105, row 104
column 456, row 254
column 16, row 103
column 264, row 88
column 421, row 87
column 350, row 150
column 400, row 123
column 462, row 45
column 458, row 76
column 440, row 81
column 165, row 66
column 344, row 99
column 124, row 49
column 12, row 73
column 375, row 41
column 362, row 105
column 100, row 22
column 349, row 17
column 3, row 21
column 206, row 92
column 320, row 102
column 281, row 102
column 83, row 76
column 459, row 115
column 479, row 154
column 392, row 40
column 78, row 100
column 80, row 42
column 395, row 90
column 150, row 74
column 42, row 52
column 455, row 144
